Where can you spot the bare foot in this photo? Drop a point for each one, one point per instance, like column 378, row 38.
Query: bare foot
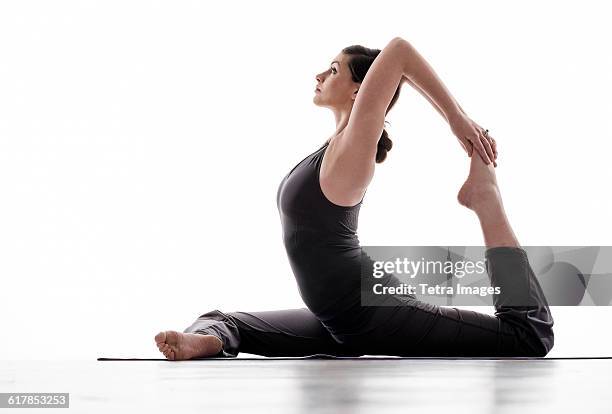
column 179, row 346
column 480, row 187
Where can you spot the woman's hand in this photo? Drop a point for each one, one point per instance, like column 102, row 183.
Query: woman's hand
column 471, row 135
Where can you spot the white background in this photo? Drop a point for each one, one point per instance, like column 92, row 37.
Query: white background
column 142, row 144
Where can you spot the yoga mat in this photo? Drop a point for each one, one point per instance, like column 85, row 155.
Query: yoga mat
column 324, row 356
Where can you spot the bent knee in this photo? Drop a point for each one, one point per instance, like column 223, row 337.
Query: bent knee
column 541, row 344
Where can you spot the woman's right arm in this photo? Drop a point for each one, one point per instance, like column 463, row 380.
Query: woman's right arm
column 422, row 76
column 437, row 108
column 468, row 148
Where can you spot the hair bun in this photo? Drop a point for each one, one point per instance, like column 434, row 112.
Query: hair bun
column 384, row 145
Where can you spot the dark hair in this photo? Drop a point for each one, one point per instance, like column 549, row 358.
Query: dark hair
column 361, row 58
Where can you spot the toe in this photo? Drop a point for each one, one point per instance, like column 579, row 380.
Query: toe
column 160, row 337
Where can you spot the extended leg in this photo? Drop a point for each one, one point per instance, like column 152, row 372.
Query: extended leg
column 289, row 332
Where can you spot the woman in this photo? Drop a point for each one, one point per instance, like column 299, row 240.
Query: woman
column 319, row 201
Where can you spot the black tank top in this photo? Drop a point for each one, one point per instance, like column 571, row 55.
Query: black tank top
column 321, row 242
column 325, row 255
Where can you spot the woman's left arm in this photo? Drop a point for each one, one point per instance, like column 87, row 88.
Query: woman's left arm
column 422, row 77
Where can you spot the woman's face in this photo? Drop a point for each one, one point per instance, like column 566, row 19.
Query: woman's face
column 335, row 86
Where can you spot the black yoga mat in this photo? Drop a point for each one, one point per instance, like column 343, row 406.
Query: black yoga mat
column 324, row 356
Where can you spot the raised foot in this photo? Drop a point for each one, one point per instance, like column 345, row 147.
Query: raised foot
column 480, row 188
column 178, row 346
column 475, row 195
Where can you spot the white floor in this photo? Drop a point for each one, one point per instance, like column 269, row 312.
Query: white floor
column 319, row 386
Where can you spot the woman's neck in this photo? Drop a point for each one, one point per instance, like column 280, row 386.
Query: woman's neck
column 337, row 134
column 342, row 118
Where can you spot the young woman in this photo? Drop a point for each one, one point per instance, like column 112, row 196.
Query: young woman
column 319, row 201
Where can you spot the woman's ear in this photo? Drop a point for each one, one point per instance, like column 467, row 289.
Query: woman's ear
column 355, row 94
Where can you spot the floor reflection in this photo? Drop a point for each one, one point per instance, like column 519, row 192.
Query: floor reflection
column 348, row 386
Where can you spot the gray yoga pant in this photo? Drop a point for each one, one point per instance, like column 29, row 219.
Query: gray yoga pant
column 412, row 328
